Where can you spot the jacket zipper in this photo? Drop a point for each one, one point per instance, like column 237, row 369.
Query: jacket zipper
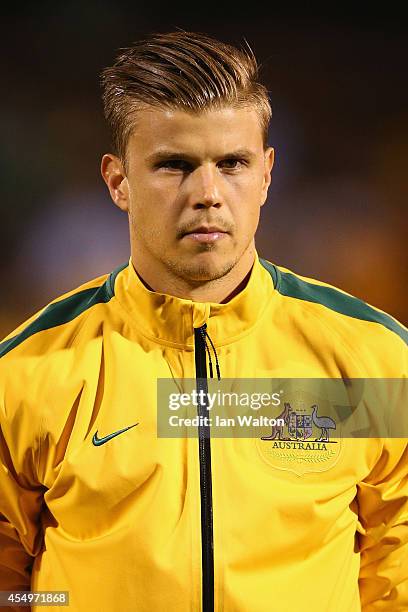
column 207, row 546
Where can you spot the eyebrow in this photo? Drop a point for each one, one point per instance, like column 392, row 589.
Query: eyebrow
column 168, row 154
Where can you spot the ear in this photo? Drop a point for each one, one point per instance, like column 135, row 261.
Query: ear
column 114, row 176
column 269, row 158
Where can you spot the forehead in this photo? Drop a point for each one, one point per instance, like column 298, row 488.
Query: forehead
column 214, row 130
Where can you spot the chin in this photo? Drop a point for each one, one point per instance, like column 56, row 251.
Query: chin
column 202, row 269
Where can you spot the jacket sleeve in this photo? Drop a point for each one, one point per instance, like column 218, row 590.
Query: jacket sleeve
column 21, row 497
column 383, row 530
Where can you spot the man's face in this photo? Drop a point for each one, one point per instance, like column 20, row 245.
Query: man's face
column 193, row 189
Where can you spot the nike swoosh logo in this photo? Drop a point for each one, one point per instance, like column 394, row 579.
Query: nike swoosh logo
column 99, row 441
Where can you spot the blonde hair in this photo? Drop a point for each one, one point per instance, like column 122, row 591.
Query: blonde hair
column 186, row 70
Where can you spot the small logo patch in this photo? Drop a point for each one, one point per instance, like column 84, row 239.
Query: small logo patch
column 307, row 442
column 99, row 441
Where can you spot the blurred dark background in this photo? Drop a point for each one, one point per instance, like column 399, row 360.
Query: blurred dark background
column 337, row 208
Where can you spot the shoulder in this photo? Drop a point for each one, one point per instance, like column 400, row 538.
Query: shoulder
column 56, row 324
column 328, row 310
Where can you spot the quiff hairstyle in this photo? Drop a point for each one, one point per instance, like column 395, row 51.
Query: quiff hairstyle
column 185, row 70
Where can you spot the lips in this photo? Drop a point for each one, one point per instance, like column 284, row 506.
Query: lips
column 204, row 229
column 206, row 234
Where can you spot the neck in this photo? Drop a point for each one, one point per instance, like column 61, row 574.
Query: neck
column 219, row 291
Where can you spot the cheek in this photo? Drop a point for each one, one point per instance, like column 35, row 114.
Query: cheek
column 154, row 199
column 249, row 186
column 150, row 220
column 248, row 199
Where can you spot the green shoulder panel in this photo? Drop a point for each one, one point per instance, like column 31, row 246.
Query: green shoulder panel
column 65, row 310
column 292, row 286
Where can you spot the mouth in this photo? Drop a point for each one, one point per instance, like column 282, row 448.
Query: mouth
column 206, row 234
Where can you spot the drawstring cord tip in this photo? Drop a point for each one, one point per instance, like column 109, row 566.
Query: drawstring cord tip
column 205, row 335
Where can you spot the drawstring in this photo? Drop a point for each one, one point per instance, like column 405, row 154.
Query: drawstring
column 205, row 335
column 217, row 365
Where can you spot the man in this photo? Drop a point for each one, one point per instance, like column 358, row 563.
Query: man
column 93, row 501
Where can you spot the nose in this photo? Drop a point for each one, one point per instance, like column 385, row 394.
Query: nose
column 204, row 187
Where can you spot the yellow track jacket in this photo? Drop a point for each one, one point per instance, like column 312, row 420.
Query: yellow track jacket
column 93, row 502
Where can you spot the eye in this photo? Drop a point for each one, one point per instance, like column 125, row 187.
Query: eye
column 232, row 163
column 175, row 164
